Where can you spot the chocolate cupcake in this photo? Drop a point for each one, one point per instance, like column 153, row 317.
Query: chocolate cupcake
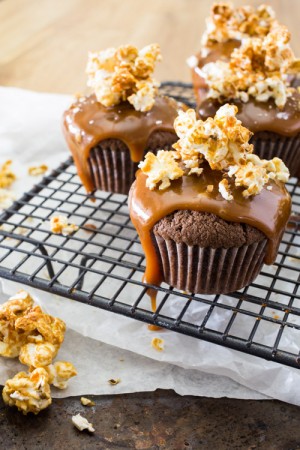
column 109, row 131
column 210, row 213
column 226, row 27
column 256, row 79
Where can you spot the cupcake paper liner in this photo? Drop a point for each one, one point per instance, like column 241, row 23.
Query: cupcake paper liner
column 267, row 145
column 112, row 170
column 207, row 270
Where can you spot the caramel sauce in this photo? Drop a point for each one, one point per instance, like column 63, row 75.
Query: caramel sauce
column 261, row 116
column 268, row 211
column 88, row 122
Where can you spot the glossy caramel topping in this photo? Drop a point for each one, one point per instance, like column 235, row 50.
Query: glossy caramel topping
column 88, row 122
column 261, row 116
column 268, row 211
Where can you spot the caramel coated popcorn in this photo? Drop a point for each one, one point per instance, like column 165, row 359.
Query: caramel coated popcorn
column 223, row 143
column 7, row 177
column 258, row 68
column 60, row 225
column 124, row 73
column 37, row 170
column 160, row 168
column 60, row 372
column 28, row 392
column 226, row 22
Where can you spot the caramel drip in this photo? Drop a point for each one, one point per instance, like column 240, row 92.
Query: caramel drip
column 87, row 122
column 268, row 211
column 261, row 116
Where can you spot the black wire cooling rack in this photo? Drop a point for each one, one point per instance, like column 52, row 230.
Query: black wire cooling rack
column 102, row 265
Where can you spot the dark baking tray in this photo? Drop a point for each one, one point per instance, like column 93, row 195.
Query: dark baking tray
column 104, row 267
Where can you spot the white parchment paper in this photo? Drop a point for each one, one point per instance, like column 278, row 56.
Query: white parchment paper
column 103, row 345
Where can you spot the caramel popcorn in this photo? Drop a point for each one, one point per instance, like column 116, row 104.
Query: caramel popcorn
column 37, row 170
column 86, row 401
column 28, row 392
column 6, row 198
column 60, row 372
column 158, row 344
column 7, row 177
column 226, row 22
column 11, row 339
column 37, row 355
column 223, row 143
column 160, row 168
column 82, row 424
column 125, row 73
column 60, row 225
column 258, row 68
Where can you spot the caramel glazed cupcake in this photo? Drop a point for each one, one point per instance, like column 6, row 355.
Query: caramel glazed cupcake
column 226, row 27
column 256, row 79
column 210, row 213
column 109, row 131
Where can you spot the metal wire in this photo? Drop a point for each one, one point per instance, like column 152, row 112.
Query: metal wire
column 102, row 265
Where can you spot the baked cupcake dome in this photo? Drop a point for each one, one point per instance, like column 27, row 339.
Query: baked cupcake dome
column 207, row 230
column 257, row 81
column 109, row 131
column 225, row 28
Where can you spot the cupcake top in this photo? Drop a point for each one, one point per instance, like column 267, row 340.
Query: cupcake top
column 259, row 68
column 124, row 73
column 211, row 170
column 221, row 142
column 226, row 22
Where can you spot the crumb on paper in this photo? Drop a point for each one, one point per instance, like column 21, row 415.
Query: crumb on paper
column 81, row 423
column 158, row 344
column 37, row 170
column 28, row 392
column 114, row 381
column 124, row 73
column 7, row 177
column 86, row 401
column 6, row 198
column 90, row 227
column 60, row 225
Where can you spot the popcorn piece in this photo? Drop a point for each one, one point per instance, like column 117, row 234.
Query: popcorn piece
column 7, row 177
column 124, row 73
column 60, row 225
column 160, row 169
column 37, row 355
column 223, row 143
column 227, row 23
column 82, row 424
column 37, row 170
column 11, row 339
column 28, row 392
column 6, row 198
column 158, row 344
column 114, row 381
column 258, row 68
column 60, row 372
column 87, row 402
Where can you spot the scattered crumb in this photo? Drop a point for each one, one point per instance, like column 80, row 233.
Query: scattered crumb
column 87, row 402
column 21, row 230
column 290, row 258
column 37, row 170
column 7, row 177
column 90, row 227
column 6, row 198
column 275, row 316
column 82, row 424
column 60, row 225
column 113, row 381
column 121, row 360
column 158, row 344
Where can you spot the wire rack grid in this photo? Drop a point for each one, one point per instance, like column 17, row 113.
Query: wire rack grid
column 102, row 265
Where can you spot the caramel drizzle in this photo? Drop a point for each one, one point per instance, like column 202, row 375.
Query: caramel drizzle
column 268, row 211
column 88, row 122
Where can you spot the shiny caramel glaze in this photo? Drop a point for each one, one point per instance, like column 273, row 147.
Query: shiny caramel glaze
column 261, row 116
column 87, row 122
column 212, row 53
column 268, row 211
